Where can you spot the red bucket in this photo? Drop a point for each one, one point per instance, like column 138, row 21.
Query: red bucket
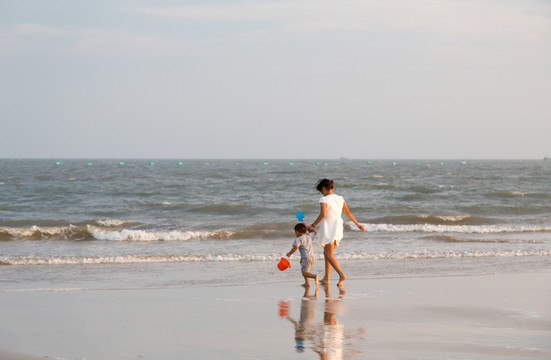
column 283, row 264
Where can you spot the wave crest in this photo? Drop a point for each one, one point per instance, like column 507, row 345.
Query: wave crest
column 434, row 220
column 42, row 232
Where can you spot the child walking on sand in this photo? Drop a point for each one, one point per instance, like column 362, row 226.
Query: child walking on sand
column 303, row 243
column 331, row 226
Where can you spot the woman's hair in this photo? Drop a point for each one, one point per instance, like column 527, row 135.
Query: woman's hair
column 324, row 183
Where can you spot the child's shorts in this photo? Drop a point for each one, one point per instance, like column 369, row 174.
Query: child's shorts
column 306, row 263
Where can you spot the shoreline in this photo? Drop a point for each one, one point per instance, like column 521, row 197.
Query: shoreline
column 505, row 316
column 18, row 356
column 178, row 275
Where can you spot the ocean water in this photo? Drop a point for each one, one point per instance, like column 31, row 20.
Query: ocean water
column 105, row 224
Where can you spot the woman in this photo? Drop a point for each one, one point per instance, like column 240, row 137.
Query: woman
column 330, row 231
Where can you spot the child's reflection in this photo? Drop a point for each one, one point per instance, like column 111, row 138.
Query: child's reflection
column 326, row 338
column 304, row 326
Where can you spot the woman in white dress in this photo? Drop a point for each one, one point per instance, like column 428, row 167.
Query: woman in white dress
column 330, row 231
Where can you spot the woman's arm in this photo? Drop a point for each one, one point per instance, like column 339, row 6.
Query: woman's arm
column 321, row 216
column 351, row 217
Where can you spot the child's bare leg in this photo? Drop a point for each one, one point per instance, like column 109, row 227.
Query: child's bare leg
column 307, row 275
column 306, row 281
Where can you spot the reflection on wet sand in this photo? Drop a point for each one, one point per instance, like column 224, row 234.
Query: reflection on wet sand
column 326, row 337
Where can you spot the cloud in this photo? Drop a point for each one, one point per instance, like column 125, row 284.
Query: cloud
column 31, row 37
column 480, row 21
column 443, row 25
column 40, row 30
column 257, row 12
column 467, row 20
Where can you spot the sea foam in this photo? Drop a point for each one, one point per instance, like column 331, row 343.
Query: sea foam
column 146, row 235
column 268, row 257
column 465, row 229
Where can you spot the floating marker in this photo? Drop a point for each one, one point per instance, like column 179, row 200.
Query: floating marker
column 291, row 164
column 318, row 163
column 89, row 164
column 121, row 162
column 265, row 163
column 180, row 163
column 151, row 163
column 369, row 162
column 441, row 163
column 394, row 163
column 58, row 163
column 325, row 164
column 464, row 163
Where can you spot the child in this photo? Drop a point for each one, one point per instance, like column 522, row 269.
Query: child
column 303, row 243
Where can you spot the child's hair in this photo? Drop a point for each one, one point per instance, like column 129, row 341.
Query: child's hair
column 324, row 183
column 300, row 228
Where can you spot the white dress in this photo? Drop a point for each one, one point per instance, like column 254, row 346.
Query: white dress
column 331, row 227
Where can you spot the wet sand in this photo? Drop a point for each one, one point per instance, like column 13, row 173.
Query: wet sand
column 459, row 317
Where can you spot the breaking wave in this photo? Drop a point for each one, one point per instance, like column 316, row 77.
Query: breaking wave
column 146, row 235
column 110, row 231
column 120, row 230
column 464, row 229
column 434, row 220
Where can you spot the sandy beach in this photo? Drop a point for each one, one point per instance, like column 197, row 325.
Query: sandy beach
column 503, row 316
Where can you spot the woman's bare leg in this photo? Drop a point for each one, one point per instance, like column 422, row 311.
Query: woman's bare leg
column 330, row 261
column 326, row 255
column 325, row 279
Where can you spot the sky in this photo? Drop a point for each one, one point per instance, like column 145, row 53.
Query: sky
column 403, row 79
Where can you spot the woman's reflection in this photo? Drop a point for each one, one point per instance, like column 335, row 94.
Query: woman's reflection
column 329, row 334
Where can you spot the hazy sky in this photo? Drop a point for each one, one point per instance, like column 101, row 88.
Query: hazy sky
column 275, row 79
